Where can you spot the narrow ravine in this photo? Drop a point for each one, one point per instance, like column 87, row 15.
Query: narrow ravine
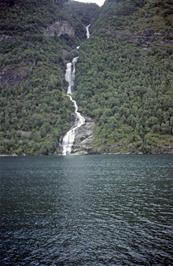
column 69, row 137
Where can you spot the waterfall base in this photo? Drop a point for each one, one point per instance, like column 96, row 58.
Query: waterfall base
column 83, row 143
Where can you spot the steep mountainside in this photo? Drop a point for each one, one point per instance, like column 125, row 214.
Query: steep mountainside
column 124, row 79
column 37, row 37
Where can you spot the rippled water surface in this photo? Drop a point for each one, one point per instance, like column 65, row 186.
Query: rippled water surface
column 87, row 210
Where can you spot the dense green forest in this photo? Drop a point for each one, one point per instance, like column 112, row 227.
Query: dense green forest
column 123, row 81
column 124, row 78
column 34, row 110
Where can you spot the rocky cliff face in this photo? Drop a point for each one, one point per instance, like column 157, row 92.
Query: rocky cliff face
column 60, row 28
column 84, row 138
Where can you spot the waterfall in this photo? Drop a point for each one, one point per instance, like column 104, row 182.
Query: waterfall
column 68, row 77
column 87, row 31
column 69, row 137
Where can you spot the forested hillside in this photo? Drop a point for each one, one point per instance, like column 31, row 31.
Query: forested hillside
column 124, row 74
column 37, row 37
column 124, row 78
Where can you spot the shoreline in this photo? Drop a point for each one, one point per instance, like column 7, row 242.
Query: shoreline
column 84, row 154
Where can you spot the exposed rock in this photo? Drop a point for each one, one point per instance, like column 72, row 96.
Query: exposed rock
column 13, row 75
column 6, row 38
column 60, row 28
column 84, row 138
column 167, row 149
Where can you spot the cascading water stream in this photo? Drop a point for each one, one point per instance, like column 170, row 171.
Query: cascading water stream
column 69, row 137
column 87, row 31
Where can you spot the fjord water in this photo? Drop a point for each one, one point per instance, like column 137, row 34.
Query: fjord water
column 87, row 210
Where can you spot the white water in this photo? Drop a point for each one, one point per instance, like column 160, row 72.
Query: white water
column 87, row 31
column 69, row 137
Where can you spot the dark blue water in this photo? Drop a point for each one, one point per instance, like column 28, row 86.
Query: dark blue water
column 87, row 210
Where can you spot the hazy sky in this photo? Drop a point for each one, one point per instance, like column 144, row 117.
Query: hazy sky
column 98, row 2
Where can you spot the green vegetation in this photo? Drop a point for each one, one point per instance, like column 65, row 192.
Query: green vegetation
column 124, row 78
column 124, row 74
column 34, row 110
